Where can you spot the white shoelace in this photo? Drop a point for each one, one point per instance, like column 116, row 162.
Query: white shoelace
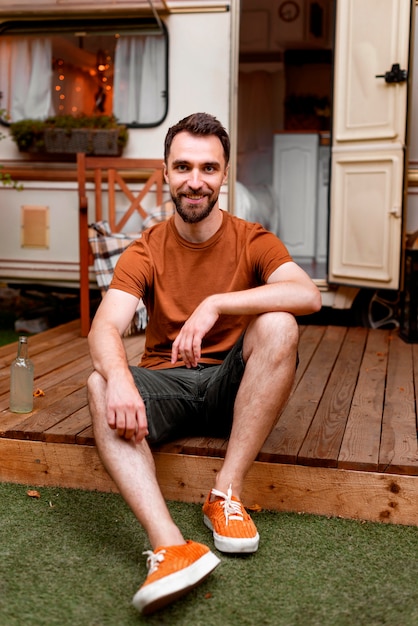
column 232, row 508
column 154, row 559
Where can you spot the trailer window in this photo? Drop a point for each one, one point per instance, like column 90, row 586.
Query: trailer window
column 85, row 67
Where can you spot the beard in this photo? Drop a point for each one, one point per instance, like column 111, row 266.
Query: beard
column 189, row 213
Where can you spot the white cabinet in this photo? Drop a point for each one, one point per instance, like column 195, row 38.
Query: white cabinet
column 301, row 184
column 295, row 181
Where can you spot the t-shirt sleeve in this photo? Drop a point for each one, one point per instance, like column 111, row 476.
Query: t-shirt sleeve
column 132, row 271
column 267, row 253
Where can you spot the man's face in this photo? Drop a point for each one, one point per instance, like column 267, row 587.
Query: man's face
column 195, row 171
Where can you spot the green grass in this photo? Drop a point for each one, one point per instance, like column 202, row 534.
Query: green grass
column 7, row 332
column 74, row 557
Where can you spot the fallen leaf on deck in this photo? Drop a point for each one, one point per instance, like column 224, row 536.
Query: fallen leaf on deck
column 38, row 392
column 254, row 507
column 32, row 493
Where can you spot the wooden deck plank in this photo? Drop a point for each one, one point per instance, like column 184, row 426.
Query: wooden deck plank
column 72, row 378
column 322, row 443
column 71, row 429
column 361, row 442
column 86, row 436
column 398, row 448
column 57, row 356
column 312, row 336
column 42, row 341
column 54, row 385
column 204, row 446
column 34, row 426
column 287, row 437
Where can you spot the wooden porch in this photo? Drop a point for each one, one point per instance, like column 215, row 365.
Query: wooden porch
column 345, row 445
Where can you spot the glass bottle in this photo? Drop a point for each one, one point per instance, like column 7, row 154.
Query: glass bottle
column 21, row 380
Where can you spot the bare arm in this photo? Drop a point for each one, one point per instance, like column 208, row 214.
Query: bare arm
column 125, row 408
column 288, row 289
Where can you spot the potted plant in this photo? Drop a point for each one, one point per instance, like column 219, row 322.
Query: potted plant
column 68, row 134
column 5, row 179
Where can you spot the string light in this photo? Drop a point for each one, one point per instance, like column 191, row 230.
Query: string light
column 78, row 81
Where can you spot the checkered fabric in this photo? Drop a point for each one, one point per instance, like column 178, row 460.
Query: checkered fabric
column 107, row 247
column 158, row 214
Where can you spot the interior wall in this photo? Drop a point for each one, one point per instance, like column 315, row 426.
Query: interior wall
column 260, row 115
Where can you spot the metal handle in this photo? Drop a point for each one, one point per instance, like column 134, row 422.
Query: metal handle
column 395, row 74
column 395, row 211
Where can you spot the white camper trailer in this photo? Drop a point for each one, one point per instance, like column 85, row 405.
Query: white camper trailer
column 314, row 94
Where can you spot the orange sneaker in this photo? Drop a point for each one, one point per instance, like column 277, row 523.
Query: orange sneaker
column 233, row 529
column 172, row 572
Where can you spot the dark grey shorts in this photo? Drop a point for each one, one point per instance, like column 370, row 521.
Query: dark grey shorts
column 190, row 402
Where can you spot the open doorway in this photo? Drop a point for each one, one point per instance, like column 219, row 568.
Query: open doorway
column 284, row 119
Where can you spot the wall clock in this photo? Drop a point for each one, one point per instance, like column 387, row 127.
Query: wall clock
column 289, row 11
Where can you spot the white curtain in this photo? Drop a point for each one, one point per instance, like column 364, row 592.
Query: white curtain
column 139, row 80
column 29, row 62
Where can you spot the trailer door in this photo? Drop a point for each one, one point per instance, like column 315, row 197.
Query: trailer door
column 368, row 141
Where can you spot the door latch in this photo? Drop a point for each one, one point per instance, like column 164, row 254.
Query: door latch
column 395, row 74
column 395, row 211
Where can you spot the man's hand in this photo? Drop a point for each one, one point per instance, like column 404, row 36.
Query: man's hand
column 126, row 410
column 188, row 343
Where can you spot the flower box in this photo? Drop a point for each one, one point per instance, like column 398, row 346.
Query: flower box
column 63, row 135
column 88, row 140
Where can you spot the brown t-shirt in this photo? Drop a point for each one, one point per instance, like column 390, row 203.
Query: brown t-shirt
column 173, row 276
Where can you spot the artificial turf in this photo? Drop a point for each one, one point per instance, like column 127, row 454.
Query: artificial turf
column 75, row 557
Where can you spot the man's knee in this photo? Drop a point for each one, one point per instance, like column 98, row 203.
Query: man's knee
column 94, row 381
column 275, row 332
column 96, row 386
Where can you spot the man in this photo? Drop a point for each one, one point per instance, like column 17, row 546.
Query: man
column 220, row 355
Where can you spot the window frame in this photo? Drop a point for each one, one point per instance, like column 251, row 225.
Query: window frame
column 103, row 26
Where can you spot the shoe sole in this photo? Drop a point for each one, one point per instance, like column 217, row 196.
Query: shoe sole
column 157, row 595
column 233, row 545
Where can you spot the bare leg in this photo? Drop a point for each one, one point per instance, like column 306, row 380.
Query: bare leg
column 132, row 468
column 270, row 349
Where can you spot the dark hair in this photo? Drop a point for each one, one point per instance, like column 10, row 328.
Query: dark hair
column 198, row 124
